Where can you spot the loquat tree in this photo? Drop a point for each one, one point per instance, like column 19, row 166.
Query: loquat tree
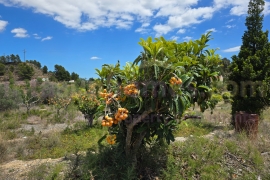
column 145, row 100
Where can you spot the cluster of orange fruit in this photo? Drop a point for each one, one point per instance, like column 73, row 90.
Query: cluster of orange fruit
column 175, row 81
column 111, row 139
column 107, row 96
column 108, row 121
column 130, row 89
column 121, row 114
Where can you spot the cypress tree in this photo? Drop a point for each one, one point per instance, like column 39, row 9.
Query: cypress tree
column 250, row 69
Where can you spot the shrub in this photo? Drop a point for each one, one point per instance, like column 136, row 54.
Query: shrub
column 49, row 90
column 226, row 97
column 26, row 71
column 9, row 98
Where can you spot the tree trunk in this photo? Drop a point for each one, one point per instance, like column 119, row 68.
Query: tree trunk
column 89, row 118
column 130, row 150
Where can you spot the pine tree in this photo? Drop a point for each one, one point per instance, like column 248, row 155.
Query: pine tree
column 250, row 70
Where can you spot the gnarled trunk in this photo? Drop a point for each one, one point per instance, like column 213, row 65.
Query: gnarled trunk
column 131, row 148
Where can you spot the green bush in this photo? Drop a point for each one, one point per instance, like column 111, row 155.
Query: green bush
column 9, row 98
column 227, row 97
column 215, row 98
column 48, row 91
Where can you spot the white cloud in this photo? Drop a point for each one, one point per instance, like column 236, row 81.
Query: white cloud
column 230, row 26
column 143, row 28
column 174, row 38
column 20, row 33
column 238, row 7
column 233, row 49
column 266, row 8
column 187, row 38
column 184, row 19
column 231, row 20
column 85, row 15
column 47, row 38
column 162, row 29
column 3, row 25
column 212, row 29
column 181, row 31
column 95, row 58
column 36, row 36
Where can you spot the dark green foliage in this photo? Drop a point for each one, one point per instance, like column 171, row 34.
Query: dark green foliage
column 74, row 76
column 2, row 69
column 18, row 59
column 91, row 79
column 26, row 71
column 45, row 69
column 2, row 59
column 252, row 63
column 10, row 59
column 53, row 78
column 9, row 98
column 61, row 74
column 36, row 63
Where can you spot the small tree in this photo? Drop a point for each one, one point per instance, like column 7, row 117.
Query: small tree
column 48, row 91
column 3, row 59
column 2, row 69
column 250, row 68
column 26, row 71
column 74, row 76
column 144, row 101
column 60, row 103
column 30, row 96
column 61, row 74
column 45, row 69
column 87, row 103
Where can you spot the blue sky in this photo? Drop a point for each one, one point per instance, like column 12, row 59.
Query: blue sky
column 82, row 35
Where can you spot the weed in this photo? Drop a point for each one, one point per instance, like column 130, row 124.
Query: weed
column 193, row 127
column 46, row 171
column 3, row 150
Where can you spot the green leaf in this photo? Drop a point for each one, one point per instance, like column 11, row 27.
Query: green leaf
column 101, row 108
column 142, row 128
column 140, row 103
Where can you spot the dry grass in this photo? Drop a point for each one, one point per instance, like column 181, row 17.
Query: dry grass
column 231, row 146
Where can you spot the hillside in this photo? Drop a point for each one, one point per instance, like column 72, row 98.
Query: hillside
column 12, row 69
